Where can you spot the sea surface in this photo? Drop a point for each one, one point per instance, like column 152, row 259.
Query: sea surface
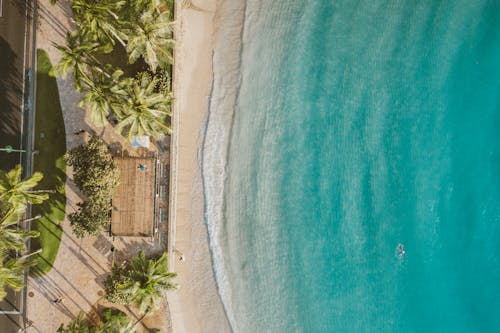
column 351, row 165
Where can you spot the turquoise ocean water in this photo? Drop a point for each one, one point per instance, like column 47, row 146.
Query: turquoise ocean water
column 357, row 125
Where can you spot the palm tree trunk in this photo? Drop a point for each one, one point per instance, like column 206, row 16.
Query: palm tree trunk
column 140, row 320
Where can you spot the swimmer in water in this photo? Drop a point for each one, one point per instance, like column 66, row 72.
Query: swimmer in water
column 401, row 250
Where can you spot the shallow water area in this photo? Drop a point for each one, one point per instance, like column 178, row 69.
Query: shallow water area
column 351, row 166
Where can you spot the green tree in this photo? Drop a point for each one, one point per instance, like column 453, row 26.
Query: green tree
column 101, row 96
column 76, row 57
column 13, row 238
column 10, row 214
column 79, row 325
column 91, row 218
column 142, row 282
column 98, row 21
column 139, row 6
column 151, row 38
column 17, row 192
column 11, row 271
column 144, row 110
column 116, row 321
column 96, row 175
column 95, row 172
column 113, row 321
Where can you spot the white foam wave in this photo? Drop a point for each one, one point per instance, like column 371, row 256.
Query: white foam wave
column 227, row 77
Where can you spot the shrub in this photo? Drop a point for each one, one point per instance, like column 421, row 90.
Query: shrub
column 96, row 175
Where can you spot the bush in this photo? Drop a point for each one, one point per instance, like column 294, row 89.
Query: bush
column 96, row 175
column 114, row 294
column 91, row 218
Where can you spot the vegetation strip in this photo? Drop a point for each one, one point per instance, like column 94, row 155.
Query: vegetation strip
column 139, row 32
column 15, row 194
column 50, row 142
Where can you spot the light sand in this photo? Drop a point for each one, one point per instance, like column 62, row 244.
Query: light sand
column 195, row 306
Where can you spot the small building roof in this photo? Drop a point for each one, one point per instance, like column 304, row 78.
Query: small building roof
column 133, row 204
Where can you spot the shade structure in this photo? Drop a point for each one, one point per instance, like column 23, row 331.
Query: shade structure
column 134, row 200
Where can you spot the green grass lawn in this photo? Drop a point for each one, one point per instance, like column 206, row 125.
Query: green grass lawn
column 50, row 141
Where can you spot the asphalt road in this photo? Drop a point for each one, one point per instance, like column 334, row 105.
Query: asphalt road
column 12, row 58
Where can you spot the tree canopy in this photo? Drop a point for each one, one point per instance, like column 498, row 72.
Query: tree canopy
column 142, row 282
column 15, row 194
column 96, row 175
column 15, row 191
column 144, row 29
column 112, row 321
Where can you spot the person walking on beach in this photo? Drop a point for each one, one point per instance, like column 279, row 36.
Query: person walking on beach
column 78, row 132
column 58, row 300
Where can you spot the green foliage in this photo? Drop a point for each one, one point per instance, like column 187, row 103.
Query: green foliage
column 96, row 175
column 11, row 272
column 78, row 58
column 114, row 294
column 15, row 194
column 143, row 110
column 116, row 321
column 144, row 29
column 151, row 38
column 113, row 321
column 13, row 238
column 79, row 325
column 142, row 282
column 13, row 260
column 98, row 21
column 15, row 191
column 95, row 172
column 103, row 94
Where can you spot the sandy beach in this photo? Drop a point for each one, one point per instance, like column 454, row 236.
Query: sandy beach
column 195, row 306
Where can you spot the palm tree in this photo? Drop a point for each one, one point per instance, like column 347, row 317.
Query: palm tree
column 100, row 97
column 76, row 57
column 11, row 272
column 11, row 214
column 14, row 239
column 143, row 111
column 16, row 192
column 116, row 321
column 99, row 22
column 159, row 6
column 79, row 325
column 147, row 282
column 151, row 38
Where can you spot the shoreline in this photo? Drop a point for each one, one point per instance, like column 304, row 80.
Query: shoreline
column 196, row 305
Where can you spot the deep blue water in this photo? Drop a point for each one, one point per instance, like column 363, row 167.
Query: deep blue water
column 357, row 126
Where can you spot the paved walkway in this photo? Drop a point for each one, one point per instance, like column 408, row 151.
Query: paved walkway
column 81, row 265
